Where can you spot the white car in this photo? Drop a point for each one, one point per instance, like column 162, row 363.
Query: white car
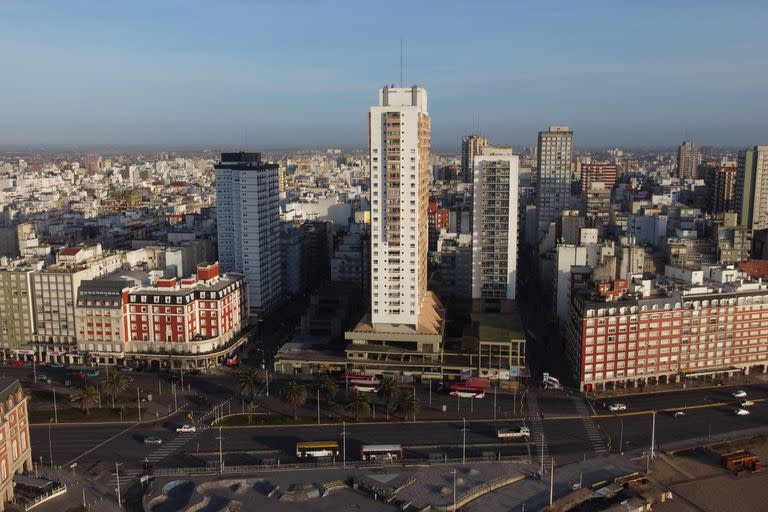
column 739, row 394
column 741, row 412
column 153, row 440
column 747, row 403
column 678, row 414
column 617, row 407
column 186, row 428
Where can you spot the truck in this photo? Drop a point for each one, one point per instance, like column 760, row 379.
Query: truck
column 513, row 433
column 550, row 382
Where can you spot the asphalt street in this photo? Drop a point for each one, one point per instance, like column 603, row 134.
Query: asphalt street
column 573, row 428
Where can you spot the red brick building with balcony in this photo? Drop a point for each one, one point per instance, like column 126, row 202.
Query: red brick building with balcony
column 198, row 319
column 672, row 335
column 15, row 448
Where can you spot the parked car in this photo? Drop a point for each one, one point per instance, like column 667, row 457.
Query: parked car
column 741, row 412
column 617, row 407
column 739, row 394
column 125, row 369
column 42, row 376
column 56, row 365
column 186, row 428
column 747, row 403
column 678, row 414
column 153, row 440
column 17, row 363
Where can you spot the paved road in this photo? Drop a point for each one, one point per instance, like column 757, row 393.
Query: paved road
column 570, row 430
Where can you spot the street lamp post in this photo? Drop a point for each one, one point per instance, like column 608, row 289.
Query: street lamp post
column 344, row 444
column 138, row 402
column 55, row 409
column 464, row 442
column 117, row 474
column 50, row 444
column 494, row 402
column 454, row 488
column 653, row 435
column 621, row 437
column 221, row 453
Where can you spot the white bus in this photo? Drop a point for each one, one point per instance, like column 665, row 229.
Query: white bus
column 381, row 452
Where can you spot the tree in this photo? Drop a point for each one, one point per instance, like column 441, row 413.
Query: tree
column 250, row 381
column 388, row 390
column 86, row 398
column 328, row 387
column 251, row 408
column 296, row 395
column 115, row 384
column 358, row 403
column 408, row 405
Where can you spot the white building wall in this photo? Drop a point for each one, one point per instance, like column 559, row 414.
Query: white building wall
column 505, row 243
column 396, row 270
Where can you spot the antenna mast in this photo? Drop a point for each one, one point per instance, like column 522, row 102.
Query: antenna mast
column 401, row 62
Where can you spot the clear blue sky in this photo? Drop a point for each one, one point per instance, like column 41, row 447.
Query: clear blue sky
column 296, row 73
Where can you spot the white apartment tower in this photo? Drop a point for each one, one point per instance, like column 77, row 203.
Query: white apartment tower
column 553, row 186
column 248, row 218
column 399, row 135
column 494, row 226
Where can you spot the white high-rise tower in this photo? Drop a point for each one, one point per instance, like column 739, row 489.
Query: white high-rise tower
column 494, row 227
column 399, row 135
column 248, row 219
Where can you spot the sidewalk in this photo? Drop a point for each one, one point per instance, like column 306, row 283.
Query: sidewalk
column 684, row 386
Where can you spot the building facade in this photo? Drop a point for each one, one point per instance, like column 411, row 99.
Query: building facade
column 688, row 159
column 248, row 219
column 597, row 172
column 101, row 320
column 495, row 226
column 399, row 138
column 553, row 185
column 16, row 319
column 15, row 446
column 752, row 187
column 194, row 318
column 666, row 337
column 471, row 145
column 723, row 187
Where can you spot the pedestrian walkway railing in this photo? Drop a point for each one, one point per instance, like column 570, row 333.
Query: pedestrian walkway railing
column 60, row 489
column 258, row 468
column 478, row 491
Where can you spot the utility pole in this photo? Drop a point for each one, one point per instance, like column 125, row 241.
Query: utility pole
column 430, row 393
column 514, row 402
column 344, row 444
column 175, row 404
column 55, row 409
column 653, row 435
column 494, row 402
column 117, row 474
column 318, row 406
column 34, row 370
column 542, row 453
column 552, row 481
column 267, row 372
column 138, row 402
column 464, row 443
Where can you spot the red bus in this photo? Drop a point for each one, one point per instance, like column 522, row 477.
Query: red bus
column 467, row 392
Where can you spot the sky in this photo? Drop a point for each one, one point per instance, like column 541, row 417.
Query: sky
column 286, row 74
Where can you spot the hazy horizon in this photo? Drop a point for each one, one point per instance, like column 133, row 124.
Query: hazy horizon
column 303, row 74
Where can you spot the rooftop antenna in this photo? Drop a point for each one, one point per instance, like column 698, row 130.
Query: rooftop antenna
column 401, row 61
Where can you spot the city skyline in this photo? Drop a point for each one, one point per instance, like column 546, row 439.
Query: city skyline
column 96, row 74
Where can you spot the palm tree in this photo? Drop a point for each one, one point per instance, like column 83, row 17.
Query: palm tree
column 86, row 398
column 296, row 395
column 388, row 390
column 358, row 403
column 250, row 380
column 328, row 387
column 408, row 405
column 251, row 408
column 115, row 384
